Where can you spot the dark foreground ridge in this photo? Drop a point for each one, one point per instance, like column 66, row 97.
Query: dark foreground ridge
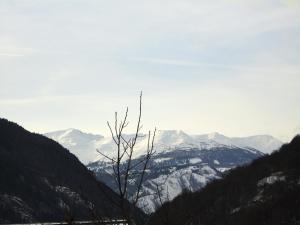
column 265, row 192
column 42, row 181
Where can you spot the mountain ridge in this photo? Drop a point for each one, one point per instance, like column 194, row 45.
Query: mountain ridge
column 181, row 161
column 267, row 191
column 165, row 140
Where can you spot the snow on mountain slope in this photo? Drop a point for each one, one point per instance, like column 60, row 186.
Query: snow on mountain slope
column 169, row 140
column 191, row 178
column 219, row 138
column 165, row 140
column 84, row 145
column 81, row 144
column 174, row 171
column 263, row 143
column 182, row 161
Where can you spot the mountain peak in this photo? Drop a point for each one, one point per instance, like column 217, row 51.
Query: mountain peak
column 84, row 145
column 73, row 130
column 171, row 132
column 214, row 135
column 172, row 137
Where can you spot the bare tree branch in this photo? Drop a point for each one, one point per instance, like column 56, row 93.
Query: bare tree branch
column 123, row 164
column 148, row 156
column 110, row 159
column 112, row 133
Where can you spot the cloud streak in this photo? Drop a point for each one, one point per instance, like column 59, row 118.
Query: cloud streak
column 226, row 64
column 10, row 54
column 285, row 69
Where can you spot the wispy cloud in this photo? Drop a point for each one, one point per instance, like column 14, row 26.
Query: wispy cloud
column 285, row 69
column 232, row 62
column 12, row 50
column 10, row 54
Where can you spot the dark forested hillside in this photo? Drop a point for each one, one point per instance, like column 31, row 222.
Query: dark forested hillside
column 265, row 192
column 42, row 181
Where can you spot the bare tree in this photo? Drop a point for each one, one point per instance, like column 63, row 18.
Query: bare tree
column 125, row 168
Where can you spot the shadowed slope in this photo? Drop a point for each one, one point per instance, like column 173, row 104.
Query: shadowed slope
column 42, row 181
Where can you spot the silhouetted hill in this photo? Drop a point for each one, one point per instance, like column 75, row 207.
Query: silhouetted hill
column 265, row 192
column 42, row 181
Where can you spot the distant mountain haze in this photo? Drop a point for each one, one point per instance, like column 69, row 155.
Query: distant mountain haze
column 81, row 144
column 84, row 145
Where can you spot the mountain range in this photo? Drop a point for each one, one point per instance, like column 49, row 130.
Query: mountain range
column 231, row 179
column 84, row 145
column 182, row 162
column 267, row 191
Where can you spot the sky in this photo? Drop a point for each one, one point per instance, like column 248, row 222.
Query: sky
column 228, row 66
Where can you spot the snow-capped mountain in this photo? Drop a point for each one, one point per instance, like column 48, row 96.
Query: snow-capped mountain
column 264, row 143
column 81, row 144
column 265, row 192
column 182, row 161
column 84, row 145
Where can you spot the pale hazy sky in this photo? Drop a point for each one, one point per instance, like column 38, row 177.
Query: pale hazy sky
column 231, row 66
